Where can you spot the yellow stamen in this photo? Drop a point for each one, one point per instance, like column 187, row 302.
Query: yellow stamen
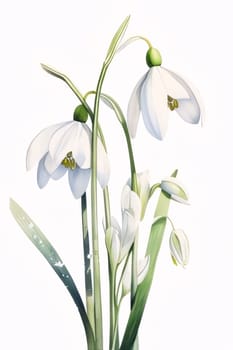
column 69, row 162
column 172, row 103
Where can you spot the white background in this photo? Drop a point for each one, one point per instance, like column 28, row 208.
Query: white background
column 187, row 309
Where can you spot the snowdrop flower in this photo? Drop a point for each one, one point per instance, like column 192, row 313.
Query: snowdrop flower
column 66, row 147
column 158, row 91
column 120, row 239
column 142, row 269
column 173, row 187
column 179, row 247
column 143, row 189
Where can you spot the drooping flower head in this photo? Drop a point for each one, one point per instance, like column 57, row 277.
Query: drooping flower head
column 66, row 147
column 157, row 92
column 174, row 189
column 179, row 247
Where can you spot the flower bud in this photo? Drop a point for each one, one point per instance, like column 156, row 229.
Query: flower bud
column 153, row 57
column 179, row 247
column 173, row 187
column 80, row 114
column 143, row 190
column 113, row 246
column 142, row 269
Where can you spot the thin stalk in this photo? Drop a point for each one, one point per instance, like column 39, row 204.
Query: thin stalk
column 110, row 272
column 115, row 333
column 87, row 262
column 122, row 274
column 112, row 304
column 94, row 212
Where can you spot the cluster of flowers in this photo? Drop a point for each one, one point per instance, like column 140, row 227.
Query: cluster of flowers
column 66, row 147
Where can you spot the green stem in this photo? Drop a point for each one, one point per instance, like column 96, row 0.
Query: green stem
column 110, row 272
column 87, row 262
column 112, row 304
column 95, row 238
column 115, row 333
column 134, row 282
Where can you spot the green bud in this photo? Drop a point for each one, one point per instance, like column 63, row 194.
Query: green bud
column 153, row 57
column 80, row 114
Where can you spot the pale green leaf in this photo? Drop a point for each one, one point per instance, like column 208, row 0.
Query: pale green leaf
column 116, row 39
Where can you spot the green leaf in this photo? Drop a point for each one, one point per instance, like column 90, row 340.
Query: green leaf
column 143, row 289
column 116, row 39
column 46, row 249
column 54, row 72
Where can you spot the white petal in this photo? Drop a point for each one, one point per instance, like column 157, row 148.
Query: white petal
column 103, row 166
column 175, row 189
column 143, row 267
column 82, row 147
column 125, row 197
column 115, row 225
column 50, row 164
column 113, row 245
column 133, row 111
column 126, row 280
column 130, row 202
column 78, row 180
column 154, row 104
column 144, row 190
column 59, row 172
column 63, row 140
column 172, row 85
column 126, row 245
column 189, row 107
column 42, row 174
column 39, row 145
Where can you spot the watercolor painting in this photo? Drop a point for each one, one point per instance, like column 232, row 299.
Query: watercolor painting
column 113, row 205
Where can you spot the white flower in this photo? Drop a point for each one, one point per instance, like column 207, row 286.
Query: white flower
column 143, row 190
column 67, row 147
column 120, row 239
column 158, row 91
column 174, row 188
column 179, row 247
column 142, row 269
column 143, row 184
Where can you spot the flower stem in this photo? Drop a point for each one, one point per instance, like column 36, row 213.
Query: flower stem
column 95, row 238
column 115, row 333
column 87, row 262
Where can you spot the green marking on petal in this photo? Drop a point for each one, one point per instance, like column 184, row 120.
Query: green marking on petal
column 69, row 161
column 172, row 103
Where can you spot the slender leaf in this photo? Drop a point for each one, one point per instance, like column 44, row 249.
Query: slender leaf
column 46, row 249
column 116, row 39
